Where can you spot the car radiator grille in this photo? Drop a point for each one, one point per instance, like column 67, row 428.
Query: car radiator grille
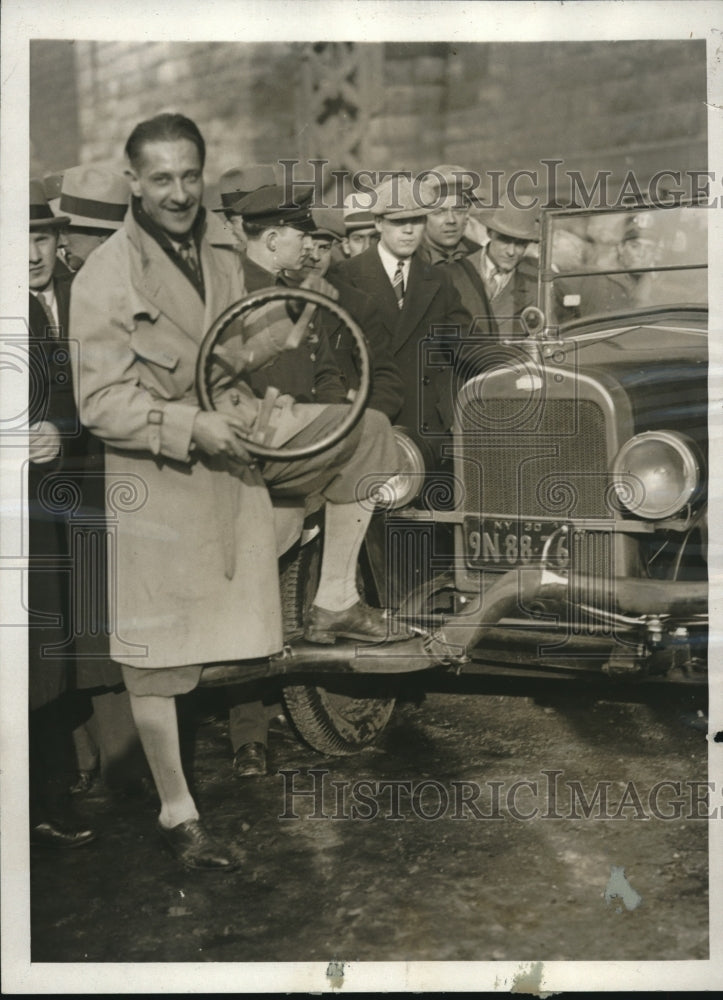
column 555, row 469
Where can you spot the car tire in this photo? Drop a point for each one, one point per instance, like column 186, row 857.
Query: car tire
column 346, row 713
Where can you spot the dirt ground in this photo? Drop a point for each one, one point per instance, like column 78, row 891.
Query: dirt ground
column 422, row 868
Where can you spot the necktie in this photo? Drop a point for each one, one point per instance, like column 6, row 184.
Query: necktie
column 398, row 283
column 52, row 323
column 495, row 283
column 188, row 254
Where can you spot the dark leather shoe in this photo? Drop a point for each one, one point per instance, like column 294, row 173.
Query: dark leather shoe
column 358, row 622
column 250, row 760
column 59, row 835
column 192, row 845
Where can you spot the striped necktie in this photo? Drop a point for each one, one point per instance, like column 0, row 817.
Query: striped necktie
column 52, row 322
column 398, row 283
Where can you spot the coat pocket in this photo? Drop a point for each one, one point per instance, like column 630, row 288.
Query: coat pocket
column 148, row 348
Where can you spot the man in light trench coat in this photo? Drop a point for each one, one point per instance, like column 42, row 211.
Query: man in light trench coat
column 195, row 573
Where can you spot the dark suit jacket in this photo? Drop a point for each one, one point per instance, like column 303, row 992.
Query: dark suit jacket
column 423, row 336
column 78, row 472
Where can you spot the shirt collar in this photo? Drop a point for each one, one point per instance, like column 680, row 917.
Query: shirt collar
column 390, row 262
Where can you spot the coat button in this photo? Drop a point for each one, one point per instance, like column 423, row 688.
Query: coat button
column 313, row 392
column 425, row 427
column 426, row 380
column 313, row 356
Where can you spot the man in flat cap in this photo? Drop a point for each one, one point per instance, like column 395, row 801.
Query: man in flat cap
column 196, row 574
column 446, row 189
column 419, row 307
column 509, row 277
column 56, row 451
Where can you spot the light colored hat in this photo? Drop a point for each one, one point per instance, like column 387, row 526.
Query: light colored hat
column 358, row 211
column 395, row 199
column 94, row 197
column 519, row 223
column 41, row 214
column 236, row 183
column 328, row 222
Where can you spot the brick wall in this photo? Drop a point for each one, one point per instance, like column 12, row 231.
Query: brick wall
column 616, row 105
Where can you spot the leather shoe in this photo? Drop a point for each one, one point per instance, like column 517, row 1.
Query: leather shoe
column 357, row 622
column 59, row 835
column 192, row 845
column 250, row 760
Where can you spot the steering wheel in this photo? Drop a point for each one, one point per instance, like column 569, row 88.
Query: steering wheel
column 241, row 309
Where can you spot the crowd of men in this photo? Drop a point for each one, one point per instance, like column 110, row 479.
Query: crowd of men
column 126, row 275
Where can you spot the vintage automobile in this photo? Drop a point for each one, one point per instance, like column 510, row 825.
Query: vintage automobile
column 565, row 533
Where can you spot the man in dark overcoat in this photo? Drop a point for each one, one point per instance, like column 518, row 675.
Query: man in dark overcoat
column 58, row 446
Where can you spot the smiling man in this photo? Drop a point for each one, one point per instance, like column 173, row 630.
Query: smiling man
column 196, row 577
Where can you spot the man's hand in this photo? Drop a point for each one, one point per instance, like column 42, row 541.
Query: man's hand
column 217, row 434
column 44, row 442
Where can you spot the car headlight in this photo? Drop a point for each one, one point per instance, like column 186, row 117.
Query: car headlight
column 406, row 484
column 656, row 474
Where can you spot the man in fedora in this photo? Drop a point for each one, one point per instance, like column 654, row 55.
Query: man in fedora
column 446, row 189
column 56, row 451
column 95, row 199
column 509, row 277
column 359, row 229
column 418, row 305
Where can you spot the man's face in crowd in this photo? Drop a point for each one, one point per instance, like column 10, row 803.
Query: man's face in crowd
column 43, row 246
column 401, row 237
column 318, row 257
column 358, row 240
column 80, row 243
column 637, row 252
column 169, row 181
column 236, row 224
column 290, row 247
column 446, row 223
column 505, row 251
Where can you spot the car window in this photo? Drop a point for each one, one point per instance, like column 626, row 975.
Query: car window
column 609, row 263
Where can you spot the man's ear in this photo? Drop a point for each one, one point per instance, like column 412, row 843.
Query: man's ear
column 271, row 238
column 133, row 181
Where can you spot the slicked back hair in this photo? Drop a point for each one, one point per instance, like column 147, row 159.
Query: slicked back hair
column 163, row 128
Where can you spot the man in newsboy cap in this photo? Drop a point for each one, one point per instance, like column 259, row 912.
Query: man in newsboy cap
column 447, row 189
column 419, row 307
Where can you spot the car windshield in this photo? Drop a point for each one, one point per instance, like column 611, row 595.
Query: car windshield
column 608, row 263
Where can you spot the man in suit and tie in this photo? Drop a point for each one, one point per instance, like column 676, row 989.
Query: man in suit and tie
column 510, row 277
column 419, row 307
column 56, row 449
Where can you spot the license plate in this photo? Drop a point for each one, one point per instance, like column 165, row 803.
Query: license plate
column 509, row 542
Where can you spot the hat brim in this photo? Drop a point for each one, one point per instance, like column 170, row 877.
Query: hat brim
column 55, row 222
column 86, row 222
column 515, row 234
column 406, row 213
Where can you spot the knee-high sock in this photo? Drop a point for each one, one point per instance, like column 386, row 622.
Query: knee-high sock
column 157, row 725
column 345, row 527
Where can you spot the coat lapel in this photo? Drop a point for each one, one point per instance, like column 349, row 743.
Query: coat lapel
column 157, row 280
column 421, row 289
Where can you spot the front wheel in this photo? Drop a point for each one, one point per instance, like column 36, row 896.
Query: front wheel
column 351, row 714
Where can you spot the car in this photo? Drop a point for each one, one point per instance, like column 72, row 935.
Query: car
column 564, row 532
